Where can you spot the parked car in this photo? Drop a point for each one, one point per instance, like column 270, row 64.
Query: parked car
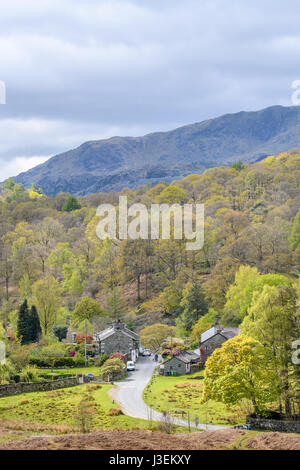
column 130, row 365
column 146, row 352
column 242, row 426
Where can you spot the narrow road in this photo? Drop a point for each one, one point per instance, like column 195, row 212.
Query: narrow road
column 129, row 395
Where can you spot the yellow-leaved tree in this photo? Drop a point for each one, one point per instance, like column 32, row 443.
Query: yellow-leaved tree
column 241, row 369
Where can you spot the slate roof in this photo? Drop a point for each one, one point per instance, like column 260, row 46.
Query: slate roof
column 230, row 332
column 186, row 357
column 227, row 333
column 102, row 335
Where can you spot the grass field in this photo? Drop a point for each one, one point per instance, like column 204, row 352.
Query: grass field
column 59, row 407
column 183, row 393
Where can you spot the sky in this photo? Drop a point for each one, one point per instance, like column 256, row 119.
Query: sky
column 79, row 70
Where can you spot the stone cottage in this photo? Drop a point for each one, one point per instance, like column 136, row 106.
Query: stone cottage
column 120, row 339
column 180, row 364
column 214, row 338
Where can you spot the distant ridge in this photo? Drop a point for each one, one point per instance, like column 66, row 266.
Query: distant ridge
column 118, row 162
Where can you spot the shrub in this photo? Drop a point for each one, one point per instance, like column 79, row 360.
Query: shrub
column 92, row 388
column 53, row 362
column 112, row 368
column 29, row 374
column 115, row 412
column 176, row 352
column 101, row 360
column 50, row 351
column 118, row 356
column 166, row 352
column 81, row 339
column 84, row 416
column 264, row 413
column 166, row 424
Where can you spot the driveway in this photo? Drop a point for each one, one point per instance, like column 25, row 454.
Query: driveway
column 129, row 395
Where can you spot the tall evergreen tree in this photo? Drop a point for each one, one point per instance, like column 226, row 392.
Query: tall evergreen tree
column 35, row 326
column 23, row 326
column 194, row 306
column 71, row 204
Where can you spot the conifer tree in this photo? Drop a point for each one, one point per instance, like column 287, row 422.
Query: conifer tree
column 35, row 326
column 24, row 329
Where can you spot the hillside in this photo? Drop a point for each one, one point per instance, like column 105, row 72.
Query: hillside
column 249, row 266
column 119, row 162
column 249, row 212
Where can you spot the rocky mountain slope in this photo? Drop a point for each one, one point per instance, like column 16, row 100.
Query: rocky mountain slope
column 118, row 162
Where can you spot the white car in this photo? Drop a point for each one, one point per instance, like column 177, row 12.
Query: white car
column 130, row 365
column 146, row 352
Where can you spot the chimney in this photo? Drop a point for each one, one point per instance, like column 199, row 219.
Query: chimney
column 217, row 326
column 119, row 325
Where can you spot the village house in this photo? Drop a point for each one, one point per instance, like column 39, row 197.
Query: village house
column 180, row 364
column 214, row 338
column 70, row 337
column 120, row 339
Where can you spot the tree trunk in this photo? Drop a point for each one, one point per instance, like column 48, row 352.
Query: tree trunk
column 139, row 287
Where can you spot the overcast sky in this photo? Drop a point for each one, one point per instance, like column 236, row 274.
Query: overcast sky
column 77, row 70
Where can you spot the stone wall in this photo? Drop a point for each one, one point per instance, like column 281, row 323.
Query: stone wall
column 213, row 343
column 175, row 365
column 16, row 389
column 274, row 425
column 118, row 342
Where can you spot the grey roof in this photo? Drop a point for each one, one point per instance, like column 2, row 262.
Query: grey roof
column 230, row 332
column 227, row 333
column 186, row 357
column 102, row 335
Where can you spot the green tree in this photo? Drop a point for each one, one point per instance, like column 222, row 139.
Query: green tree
column 194, row 306
column 240, row 369
column 71, row 204
column 172, row 195
column 153, row 336
column 47, row 296
column 234, row 307
column 238, row 166
column 35, row 326
column 203, row 324
column 274, row 321
column 115, row 306
column 23, row 325
column 240, row 295
column 87, row 309
column 111, row 369
column 60, row 332
column 294, row 237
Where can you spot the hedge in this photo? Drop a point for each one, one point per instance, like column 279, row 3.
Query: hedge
column 56, row 362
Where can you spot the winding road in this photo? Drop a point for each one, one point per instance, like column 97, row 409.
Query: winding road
column 129, row 395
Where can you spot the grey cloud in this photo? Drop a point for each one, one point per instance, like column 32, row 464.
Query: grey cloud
column 82, row 70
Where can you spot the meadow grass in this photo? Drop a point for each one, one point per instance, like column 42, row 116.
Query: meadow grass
column 183, row 393
column 58, row 407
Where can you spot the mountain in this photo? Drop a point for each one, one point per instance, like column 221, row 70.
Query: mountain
column 118, row 162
